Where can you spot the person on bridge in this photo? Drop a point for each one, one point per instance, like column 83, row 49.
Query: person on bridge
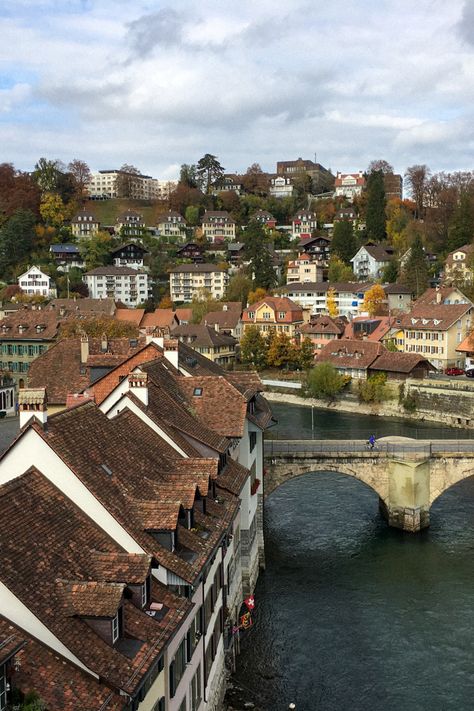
column 372, row 441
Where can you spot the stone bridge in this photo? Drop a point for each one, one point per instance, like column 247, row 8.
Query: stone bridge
column 408, row 475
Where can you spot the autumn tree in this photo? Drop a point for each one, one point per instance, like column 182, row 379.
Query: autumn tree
column 416, row 177
column 127, row 181
column 375, row 212
column 81, row 173
column 17, row 191
column 256, row 295
column 238, row 288
column 208, row 172
column 461, row 230
column 343, row 243
column 165, row 302
column 52, row 209
column 253, row 348
column 202, row 304
column 374, row 299
column 96, row 327
column 95, row 250
column 282, row 353
column 255, row 180
column 331, row 304
column 47, row 174
column 191, row 215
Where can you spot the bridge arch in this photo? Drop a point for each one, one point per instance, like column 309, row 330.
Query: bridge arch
column 368, row 471
column 446, row 473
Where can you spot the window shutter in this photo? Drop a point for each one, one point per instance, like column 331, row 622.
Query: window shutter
column 172, row 679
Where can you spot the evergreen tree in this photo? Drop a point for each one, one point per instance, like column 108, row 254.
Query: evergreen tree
column 257, row 252
column 16, row 240
column 306, row 354
column 390, row 273
column 208, row 172
column 253, row 348
column 461, row 230
column 375, row 213
column 415, row 272
column 338, row 271
column 343, row 242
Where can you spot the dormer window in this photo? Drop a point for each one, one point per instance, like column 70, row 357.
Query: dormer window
column 197, row 392
column 116, row 626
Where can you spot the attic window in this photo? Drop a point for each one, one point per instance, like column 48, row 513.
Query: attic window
column 436, row 321
column 106, row 469
column 197, row 392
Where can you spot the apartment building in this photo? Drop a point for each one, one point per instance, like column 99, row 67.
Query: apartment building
column 196, row 280
column 273, row 312
column 303, row 224
column 303, row 269
column 24, row 336
column 218, row 226
column 130, row 286
column 312, row 297
column 370, row 261
column 106, row 184
column 349, row 185
column 458, row 267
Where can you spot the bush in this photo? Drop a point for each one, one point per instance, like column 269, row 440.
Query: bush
column 374, row 389
column 324, row 381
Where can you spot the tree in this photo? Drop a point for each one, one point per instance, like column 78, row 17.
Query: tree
column 202, row 304
column 390, row 272
column 373, row 300
column 461, row 230
column 415, row 271
column 95, row 250
column 95, row 327
column 47, row 174
column 255, row 180
column 338, row 271
column 375, row 213
column 52, row 209
column 192, row 215
column 188, row 175
column 331, row 304
column 323, row 381
column 16, row 240
column 253, row 348
column 256, row 295
column 257, row 252
column 82, row 176
column 343, row 243
column 416, row 177
column 183, row 197
column 374, row 389
column 238, row 288
column 165, row 302
column 380, row 165
column 127, row 181
column 306, row 354
column 282, row 352
column 17, row 191
column 208, row 171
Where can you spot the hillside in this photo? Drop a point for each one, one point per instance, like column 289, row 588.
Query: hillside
column 107, row 211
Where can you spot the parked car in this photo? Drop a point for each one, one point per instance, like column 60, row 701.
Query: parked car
column 469, row 373
column 454, row 371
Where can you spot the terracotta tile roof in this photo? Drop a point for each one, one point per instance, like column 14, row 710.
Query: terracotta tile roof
column 59, row 369
column 201, row 336
column 84, row 306
column 279, row 304
column 433, row 317
column 372, row 329
column 195, row 363
column 134, row 316
column 350, row 354
column 37, row 325
column 322, row 325
column 400, row 362
column 33, row 509
column 11, row 641
column 466, row 249
column 467, row 345
column 60, row 684
column 219, row 404
column 130, row 568
column 233, row 477
column 160, row 318
column 223, row 319
column 184, row 314
column 431, row 296
column 90, row 599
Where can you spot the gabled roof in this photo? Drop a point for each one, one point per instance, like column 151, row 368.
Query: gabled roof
column 134, row 316
column 160, row 318
column 279, row 305
column 433, row 317
column 200, row 335
column 323, row 324
column 373, row 329
column 376, row 251
column 112, row 270
column 223, row 319
column 397, row 362
column 219, row 404
column 38, row 325
column 136, row 245
column 350, row 354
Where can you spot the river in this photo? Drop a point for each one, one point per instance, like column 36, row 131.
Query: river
column 350, row 614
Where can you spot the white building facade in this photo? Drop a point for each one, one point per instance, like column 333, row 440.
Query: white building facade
column 130, row 286
column 34, row 282
column 190, row 280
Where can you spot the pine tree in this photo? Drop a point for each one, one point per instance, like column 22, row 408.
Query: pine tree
column 257, row 252
column 375, row 218
column 343, row 243
column 16, row 239
column 415, row 273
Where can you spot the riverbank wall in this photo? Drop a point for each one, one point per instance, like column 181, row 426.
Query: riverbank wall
column 444, row 402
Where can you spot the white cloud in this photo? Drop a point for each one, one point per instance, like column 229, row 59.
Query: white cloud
column 119, row 82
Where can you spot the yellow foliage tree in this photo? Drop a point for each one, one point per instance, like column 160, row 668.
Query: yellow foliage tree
column 331, row 304
column 52, row 209
column 373, row 300
column 257, row 295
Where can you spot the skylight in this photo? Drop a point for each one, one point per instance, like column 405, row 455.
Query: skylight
column 197, row 392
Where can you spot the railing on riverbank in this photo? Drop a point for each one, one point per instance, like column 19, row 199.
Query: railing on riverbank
column 416, row 449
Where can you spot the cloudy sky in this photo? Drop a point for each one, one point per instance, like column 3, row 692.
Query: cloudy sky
column 159, row 83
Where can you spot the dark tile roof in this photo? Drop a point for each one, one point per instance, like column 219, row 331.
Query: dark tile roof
column 197, row 268
column 322, row 324
column 397, row 289
column 114, row 271
column 59, row 683
column 83, row 306
column 400, row 362
column 35, row 324
column 201, row 335
column 350, row 354
column 57, row 582
column 223, row 319
column 428, row 317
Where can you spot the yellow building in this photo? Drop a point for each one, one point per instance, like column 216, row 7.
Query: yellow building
column 274, row 313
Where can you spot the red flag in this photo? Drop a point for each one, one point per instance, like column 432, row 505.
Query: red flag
column 250, row 602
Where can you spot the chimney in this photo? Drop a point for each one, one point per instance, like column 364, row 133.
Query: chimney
column 32, row 403
column 84, row 349
column 104, row 345
column 171, row 351
column 216, row 327
column 138, row 385
column 438, row 295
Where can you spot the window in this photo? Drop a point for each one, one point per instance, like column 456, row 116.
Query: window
column 115, row 628
column 253, row 440
column 197, row 392
column 144, row 594
column 177, row 666
column 195, row 690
